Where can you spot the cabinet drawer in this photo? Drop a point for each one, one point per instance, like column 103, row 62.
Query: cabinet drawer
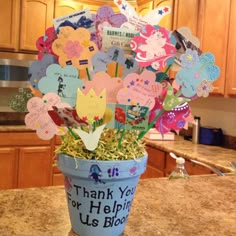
column 21, row 139
column 156, row 158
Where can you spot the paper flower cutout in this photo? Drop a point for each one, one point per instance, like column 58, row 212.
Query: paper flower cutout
column 114, row 54
column 120, row 115
column 140, row 89
column 74, row 47
column 90, row 139
column 38, row 69
column 38, row 118
column 135, row 21
column 155, row 47
column 105, row 17
column 62, row 81
column 44, row 43
column 101, row 81
column 189, row 58
column 184, row 40
column 91, row 107
column 204, row 88
column 18, row 102
column 174, row 119
column 189, row 78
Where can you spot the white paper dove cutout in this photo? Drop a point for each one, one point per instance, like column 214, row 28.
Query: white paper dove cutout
column 135, row 21
column 90, row 139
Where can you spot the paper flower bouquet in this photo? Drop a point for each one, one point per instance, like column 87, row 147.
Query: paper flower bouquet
column 101, row 81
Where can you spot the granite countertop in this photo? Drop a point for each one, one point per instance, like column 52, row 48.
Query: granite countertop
column 213, row 155
column 200, row 206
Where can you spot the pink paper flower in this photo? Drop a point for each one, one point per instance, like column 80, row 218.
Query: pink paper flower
column 38, row 118
column 155, row 46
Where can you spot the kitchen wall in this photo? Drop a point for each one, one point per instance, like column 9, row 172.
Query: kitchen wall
column 216, row 112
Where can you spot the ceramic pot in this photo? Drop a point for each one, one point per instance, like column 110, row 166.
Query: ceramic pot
column 100, row 193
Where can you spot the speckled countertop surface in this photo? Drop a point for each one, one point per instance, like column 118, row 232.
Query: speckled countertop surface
column 200, row 206
column 213, row 155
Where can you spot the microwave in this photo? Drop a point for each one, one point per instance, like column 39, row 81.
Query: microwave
column 14, row 69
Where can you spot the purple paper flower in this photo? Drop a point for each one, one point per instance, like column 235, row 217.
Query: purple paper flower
column 189, row 58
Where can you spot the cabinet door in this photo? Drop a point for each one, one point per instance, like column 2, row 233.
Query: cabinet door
column 64, row 7
column 8, row 168
column 186, row 14
column 144, row 6
column 36, row 17
column 9, row 24
column 213, row 34
column 35, row 167
column 231, row 57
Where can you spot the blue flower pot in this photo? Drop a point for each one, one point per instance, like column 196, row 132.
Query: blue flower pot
column 100, row 193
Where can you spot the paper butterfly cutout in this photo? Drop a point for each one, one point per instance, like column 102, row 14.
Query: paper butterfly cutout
column 195, row 70
column 135, row 21
column 104, row 17
column 62, row 81
column 44, row 43
column 66, row 117
column 90, row 139
column 91, row 107
column 155, row 47
column 114, row 54
column 101, row 81
column 140, row 89
column 18, row 102
column 38, row 69
column 38, row 118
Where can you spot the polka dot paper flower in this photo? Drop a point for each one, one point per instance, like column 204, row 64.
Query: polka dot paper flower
column 74, row 47
column 38, row 118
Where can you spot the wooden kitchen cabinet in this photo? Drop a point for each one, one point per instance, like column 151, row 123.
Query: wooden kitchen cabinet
column 161, row 164
column 8, row 168
column 9, row 25
column 36, row 17
column 144, row 6
column 35, row 167
column 25, row 160
column 231, row 56
column 213, row 33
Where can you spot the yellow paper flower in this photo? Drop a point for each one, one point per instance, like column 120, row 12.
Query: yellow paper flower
column 74, row 47
column 91, row 107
